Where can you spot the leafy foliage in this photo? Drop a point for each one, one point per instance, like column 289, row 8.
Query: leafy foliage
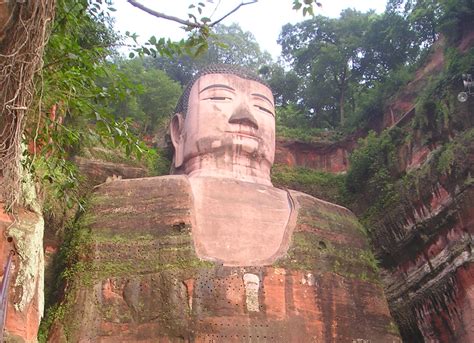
column 306, row 6
column 70, row 110
column 232, row 45
column 374, row 164
column 429, row 18
column 284, row 84
column 149, row 101
column 382, row 191
column 338, row 60
column 291, row 116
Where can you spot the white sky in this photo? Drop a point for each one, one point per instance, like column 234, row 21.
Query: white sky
column 264, row 18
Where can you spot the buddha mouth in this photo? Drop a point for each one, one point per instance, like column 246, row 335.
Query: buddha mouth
column 248, row 132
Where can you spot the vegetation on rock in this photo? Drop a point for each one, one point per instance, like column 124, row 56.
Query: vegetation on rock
column 323, row 185
column 87, row 100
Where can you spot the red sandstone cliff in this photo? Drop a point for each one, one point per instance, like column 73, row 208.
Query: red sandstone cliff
column 331, row 157
column 424, row 241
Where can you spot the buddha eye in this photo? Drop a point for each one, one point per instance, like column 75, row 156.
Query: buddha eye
column 264, row 109
column 218, row 98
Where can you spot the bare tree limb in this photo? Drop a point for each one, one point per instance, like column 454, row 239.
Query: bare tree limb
column 162, row 15
column 234, row 10
column 182, row 21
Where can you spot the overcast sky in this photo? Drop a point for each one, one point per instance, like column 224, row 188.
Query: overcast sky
column 264, row 18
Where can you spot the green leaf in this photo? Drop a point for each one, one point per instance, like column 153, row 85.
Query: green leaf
column 297, row 5
column 201, row 49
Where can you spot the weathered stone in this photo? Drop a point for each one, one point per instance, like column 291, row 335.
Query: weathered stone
column 144, row 282
column 332, row 157
column 188, row 257
column 240, row 223
column 98, row 171
column 430, row 289
column 23, row 235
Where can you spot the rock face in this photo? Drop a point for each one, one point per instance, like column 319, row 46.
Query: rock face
column 24, row 236
column 327, row 157
column 98, row 171
column 424, row 241
column 430, row 270
column 141, row 281
column 401, row 110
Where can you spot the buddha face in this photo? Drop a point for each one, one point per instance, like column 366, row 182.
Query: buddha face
column 230, row 120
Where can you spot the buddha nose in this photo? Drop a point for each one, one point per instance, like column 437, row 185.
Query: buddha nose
column 243, row 116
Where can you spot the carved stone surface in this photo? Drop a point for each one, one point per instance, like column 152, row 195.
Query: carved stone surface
column 219, row 254
column 98, row 171
column 240, row 223
column 228, row 130
column 144, row 282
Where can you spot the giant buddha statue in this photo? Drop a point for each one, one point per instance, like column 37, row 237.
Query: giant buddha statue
column 223, row 135
column 215, row 253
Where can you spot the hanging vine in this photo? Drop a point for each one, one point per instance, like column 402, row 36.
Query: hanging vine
column 25, row 34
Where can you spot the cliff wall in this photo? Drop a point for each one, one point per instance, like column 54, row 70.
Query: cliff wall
column 331, row 157
column 419, row 207
column 415, row 195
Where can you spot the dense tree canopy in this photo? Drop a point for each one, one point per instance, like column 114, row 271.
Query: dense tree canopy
column 151, row 98
column 429, row 18
column 337, row 59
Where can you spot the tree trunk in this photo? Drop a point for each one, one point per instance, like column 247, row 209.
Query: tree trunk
column 341, row 105
column 342, row 97
column 25, row 29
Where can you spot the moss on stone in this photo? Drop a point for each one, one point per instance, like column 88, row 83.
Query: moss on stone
column 105, row 269
column 329, row 217
column 310, row 252
column 393, row 328
column 75, row 273
column 102, row 236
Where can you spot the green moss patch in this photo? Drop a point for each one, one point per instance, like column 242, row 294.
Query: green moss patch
column 309, row 252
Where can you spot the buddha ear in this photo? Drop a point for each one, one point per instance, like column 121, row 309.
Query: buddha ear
column 176, row 132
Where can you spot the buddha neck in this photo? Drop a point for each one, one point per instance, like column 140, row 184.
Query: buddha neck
column 236, row 167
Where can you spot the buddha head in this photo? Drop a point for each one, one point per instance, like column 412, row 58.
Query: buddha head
column 224, row 125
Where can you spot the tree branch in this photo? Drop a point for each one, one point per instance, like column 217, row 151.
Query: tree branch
column 235, row 9
column 162, row 15
column 182, row 21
